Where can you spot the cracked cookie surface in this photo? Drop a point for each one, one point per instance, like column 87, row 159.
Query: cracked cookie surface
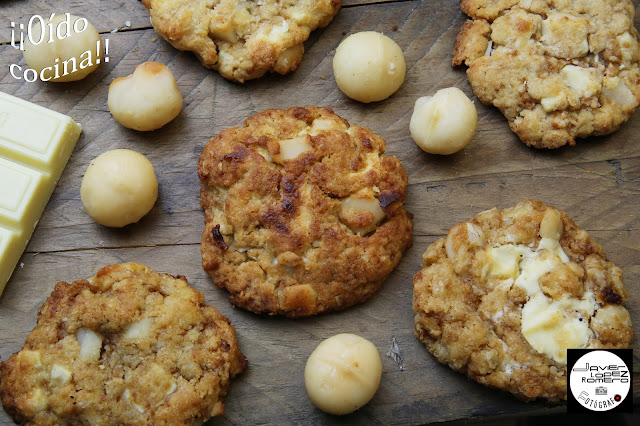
column 303, row 212
column 505, row 294
column 242, row 40
column 557, row 69
column 127, row 346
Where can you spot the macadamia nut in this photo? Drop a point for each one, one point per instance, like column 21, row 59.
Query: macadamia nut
column 443, row 123
column 147, row 99
column 368, row 66
column 62, row 53
column 343, row 373
column 119, row 188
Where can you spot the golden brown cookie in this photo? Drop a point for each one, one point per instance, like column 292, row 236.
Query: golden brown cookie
column 505, row 294
column 558, row 70
column 242, row 40
column 128, row 346
column 303, row 212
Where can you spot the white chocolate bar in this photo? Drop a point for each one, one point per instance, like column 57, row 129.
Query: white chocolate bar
column 35, row 145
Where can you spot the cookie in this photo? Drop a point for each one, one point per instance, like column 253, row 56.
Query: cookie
column 241, row 40
column 303, row 212
column 128, row 346
column 505, row 294
column 557, row 70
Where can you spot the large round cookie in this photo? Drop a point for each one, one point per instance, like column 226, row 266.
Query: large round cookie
column 557, row 70
column 128, row 346
column 506, row 293
column 303, row 212
column 242, row 40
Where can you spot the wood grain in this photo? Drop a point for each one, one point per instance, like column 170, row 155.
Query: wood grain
column 597, row 183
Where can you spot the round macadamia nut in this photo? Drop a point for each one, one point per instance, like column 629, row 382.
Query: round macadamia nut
column 368, row 66
column 147, row 99
column 443, row 123
column 62, row 53
column 119, row 188
column 343, row 373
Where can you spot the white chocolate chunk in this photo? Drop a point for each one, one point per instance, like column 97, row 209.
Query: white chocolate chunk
column 139, row 329
column 38, row 400
column 292, row 148
column 320, row 124
column 60, row 375
column 30, row 357
column 90, row 344
column 504, row 261
column 550, row 326
column 553, row 326
column 581, row 81
column 621, row 94
column 628, row 46
column 535, row 264
column 554, row 103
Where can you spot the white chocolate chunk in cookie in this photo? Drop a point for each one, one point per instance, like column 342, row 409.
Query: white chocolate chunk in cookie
column 38, row 400
column 581, row 80
column 535, row 264
column 60, row 375
column 31, row 358
column 90, row 344
column 504, row 261
column 628, row 47
column 550, row 326
column 621, row 94
column 139, row 329
column 553, row 326
column 292, row 148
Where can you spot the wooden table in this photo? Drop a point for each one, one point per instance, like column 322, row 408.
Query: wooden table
column 596, row 182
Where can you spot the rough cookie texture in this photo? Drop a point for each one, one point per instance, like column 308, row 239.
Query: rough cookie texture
column 557, row 69
column 303, row 213
column 128, row 346
column 242, row 40
column 505, row 294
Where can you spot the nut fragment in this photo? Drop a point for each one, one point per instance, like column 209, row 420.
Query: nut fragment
column 551, row 225
column 360, row 213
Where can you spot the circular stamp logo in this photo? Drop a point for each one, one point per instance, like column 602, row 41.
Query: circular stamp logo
column 600, row 380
